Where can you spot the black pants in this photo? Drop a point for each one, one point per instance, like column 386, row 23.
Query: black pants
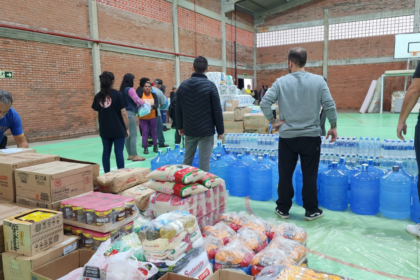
column 3, row 143
column 274, row 114
column 309, row 149
column 417, row 147
column 177, row 137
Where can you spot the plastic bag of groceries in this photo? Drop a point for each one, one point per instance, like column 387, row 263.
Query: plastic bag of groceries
column 182, row 174
column 289, row 231
column 221, row 231
column 268, row 257
column 294, row 249
column 256, row 223
column 236, row 254
column 210, row 180
column 126, row 243
column 254, row 239
column 177, row 189
column 292, row 272
column 139, row 222
column 125, row 266
column 97, row 266
column 271, row 272
column 212, row 244
column 235, row 220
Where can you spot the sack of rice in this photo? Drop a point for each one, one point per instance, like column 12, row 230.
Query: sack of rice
column 176, row 189
column 141, row 194
column 182, row 174
column 119, row 180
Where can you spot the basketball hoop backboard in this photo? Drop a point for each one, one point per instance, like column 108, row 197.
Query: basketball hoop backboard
column 407, row 45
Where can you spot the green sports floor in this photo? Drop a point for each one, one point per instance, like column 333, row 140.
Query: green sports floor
column 359, row 247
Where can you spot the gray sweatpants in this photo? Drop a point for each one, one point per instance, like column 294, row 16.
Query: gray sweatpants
column 131, row 142
column 205, row 146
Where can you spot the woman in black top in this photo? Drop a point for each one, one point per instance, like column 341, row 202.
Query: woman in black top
column 113, row 120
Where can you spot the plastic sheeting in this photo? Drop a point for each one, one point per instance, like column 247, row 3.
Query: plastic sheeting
column 350, row 245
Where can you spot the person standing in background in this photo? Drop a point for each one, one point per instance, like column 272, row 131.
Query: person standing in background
column 172, row 114
column 198, row 111
column 113, row 120
column 303, row 92
column 260, row 96
column 148, row 122
column 163, row 110
column 248, row 90
column 162, row 102
column 133, row 101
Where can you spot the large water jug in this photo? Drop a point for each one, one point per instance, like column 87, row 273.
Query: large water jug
column 334, row 188
column 228, row 157
column 364, row 198
column 400, row 166
column 177, row 150
column 169, row 156
column 248, row 158
column 158, row 161
column 218, row 149
column 321, row 170
column 180, row 159
column 274, row 179
column 415, row 204
column 239, row 178
column 221, row 169
column 260, row 181
column 394, row 196
column 196, row 160
column 298, row 185
column 298, row 166
column 348, row 171
column 374, row 170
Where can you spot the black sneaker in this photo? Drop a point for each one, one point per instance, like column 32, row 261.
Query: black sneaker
column 310, row 216
column 163, row 146
column 282, row 215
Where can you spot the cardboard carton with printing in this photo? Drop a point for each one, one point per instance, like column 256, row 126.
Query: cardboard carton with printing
column 15, row 151
column 40, row 204
column 52, row 182
column 10, row 163
column 31, row 238
column 18, row 267
column 255, row 121
column 228, row 116
column 234, row 126
column 173, row 276
column 231, row 105
column 95, row 170
column 240, row 112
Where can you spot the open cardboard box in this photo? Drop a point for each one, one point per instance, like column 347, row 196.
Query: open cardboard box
column 62, row 266
column 229, row 275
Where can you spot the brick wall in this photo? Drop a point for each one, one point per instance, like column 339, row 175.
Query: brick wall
column 278, row 54
column 241, row 17
column 212, row 5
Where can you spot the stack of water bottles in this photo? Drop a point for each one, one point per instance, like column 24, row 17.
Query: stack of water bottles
column 258, row 144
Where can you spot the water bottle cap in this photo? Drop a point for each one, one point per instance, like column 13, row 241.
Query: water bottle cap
column 395, row 168
column 260, row 159
column 342, row 160
column 218, row 156
column 176, row 146
column 265, row 155
column 168, row 149
column 334, row 164
column 160, row 152
column 239, row 156
column 364, row 167
column 370, row 161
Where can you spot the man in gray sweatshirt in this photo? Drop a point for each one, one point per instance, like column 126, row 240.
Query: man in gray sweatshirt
column 300, row 95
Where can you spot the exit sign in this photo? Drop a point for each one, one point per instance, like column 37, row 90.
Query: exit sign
column 246, row 76
column 6, row 75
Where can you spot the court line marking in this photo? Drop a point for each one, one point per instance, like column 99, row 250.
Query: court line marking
column 249, row 209
column 351, row 117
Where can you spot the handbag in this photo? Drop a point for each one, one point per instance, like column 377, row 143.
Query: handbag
column 144, row 110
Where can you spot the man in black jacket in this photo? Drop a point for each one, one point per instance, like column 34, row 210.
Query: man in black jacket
column 198, row 112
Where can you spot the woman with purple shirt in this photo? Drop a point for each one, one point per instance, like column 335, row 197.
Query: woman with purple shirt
column 133, row 101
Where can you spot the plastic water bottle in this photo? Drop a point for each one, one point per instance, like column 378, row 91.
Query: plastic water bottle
column 170, row 157
column 364, row 199
column 298, row 185
column 260, row 181
column 400, row 165
column 348, row 171
column 196, row 160
column 239, row 178
column 221, row 169
column 158, row 161
column 219, row 147
column 321, row 170
column 415, row 205
column 395, row 195
column 374, row 171
column 228, row 157
column 334, row 188
column 274, row 179
column 180, row 159
column 248, row 158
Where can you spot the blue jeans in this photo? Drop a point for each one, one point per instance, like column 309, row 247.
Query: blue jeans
column 118, row 150
column 163, row 116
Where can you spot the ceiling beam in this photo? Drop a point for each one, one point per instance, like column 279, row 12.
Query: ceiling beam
column 258, row 5
column 281, row 8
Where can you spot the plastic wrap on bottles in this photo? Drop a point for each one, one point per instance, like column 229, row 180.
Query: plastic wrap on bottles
column 139, row 222
column 289, row 231
column 256, row 223
column 176, row 189
column 268, row 257
column 126, row 243
column 232, row 90
column 236, row 254
column 212, row 244
column 221, row 231
column 182, row 174
column 294, row 249
column 254, row 239
column 210, row 180
column 235, row 220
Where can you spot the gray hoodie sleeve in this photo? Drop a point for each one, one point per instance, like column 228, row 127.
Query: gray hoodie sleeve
column 270, row 97
column 328, row 104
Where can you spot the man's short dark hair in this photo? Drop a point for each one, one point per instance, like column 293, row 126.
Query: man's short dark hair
column 143, row 81
column 158, row 81
column 200, row 64
column 298, row 56
column 5, row 98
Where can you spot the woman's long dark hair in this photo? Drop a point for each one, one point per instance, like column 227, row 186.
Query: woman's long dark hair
column 128, row 81
column 106, row 86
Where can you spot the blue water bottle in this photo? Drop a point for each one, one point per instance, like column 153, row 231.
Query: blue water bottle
column 394, row 196
column 321, row 170
column 180, row 159
column 248, row 158
column 298, row 185
column 274, row 179
column 239, row 178
column 228, row 157
column 364, row 198
column 405, row 173
column 348, row 171
column 158, row 161
column 169, row 156
column 374, row 170
column 221, row 169
column 260, row 181
column 218, row 149
column 415, row 205
column 334, row 188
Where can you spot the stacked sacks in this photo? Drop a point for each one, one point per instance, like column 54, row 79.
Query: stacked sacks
column 120, row 180
column 186, row 188
column 173, row 243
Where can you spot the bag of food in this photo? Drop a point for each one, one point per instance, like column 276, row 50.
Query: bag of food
column 176, row 189
column 268, row 257
column 141, row 194
column 236, row 254
column 235, row 220
column 126, row 243
column 254, row 239
column 271, row 272
column 294, row 249
column 139, row 222
column 221, row 231
column 256, row 223
column 161, row 203
column 182, row 174
column 209, row 197
column 212, row 244
column 121, row 179
column 289, row 231
column 211, row 181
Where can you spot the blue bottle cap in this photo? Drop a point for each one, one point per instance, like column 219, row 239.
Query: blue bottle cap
column 181, row 153
column 168, row 149
column 395, row 168
column 160, row 152
column 218, row 156
column 260, row 159
column 176, row 146
column 365, row 167
column 342, row 160
column 370, row 162
column 334, row 164
column 239, row 156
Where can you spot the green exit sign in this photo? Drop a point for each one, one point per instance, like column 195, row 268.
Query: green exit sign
column 6, row 75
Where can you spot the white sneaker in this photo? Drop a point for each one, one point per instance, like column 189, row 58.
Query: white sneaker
column 414, row 230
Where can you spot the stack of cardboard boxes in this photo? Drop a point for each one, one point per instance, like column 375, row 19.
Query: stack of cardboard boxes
column 233, row 117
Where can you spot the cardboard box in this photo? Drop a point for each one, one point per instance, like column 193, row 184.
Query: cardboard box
column 229, row 275
column 55, row 181
column 62, row 266
column 15, row 151
column 95, row 170
column 240, row 112
column 231, row 105
column 255, row 121
column 228, row 116
column 234, row 131
column 18, row 267
column 173, row 276
column 10, row 163
column 277, row 109
column 40, row 204
column 29, row 239
column 234, row 125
